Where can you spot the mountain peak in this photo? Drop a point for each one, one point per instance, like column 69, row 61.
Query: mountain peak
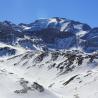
column 55, row 33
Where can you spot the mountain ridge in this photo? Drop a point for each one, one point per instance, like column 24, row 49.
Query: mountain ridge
column 52, row 33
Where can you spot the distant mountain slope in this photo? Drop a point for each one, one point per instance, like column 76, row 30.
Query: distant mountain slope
column 53, row 33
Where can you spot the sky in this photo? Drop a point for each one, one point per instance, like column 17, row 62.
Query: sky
column 26, row 11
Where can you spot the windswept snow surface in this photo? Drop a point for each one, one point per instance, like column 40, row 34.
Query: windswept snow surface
column 83, row 80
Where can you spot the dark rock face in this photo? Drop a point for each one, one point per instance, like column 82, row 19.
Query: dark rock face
column 40, row 57
column 7, row 51
column 92, row 33
column 91, row 40
column 50, row 35
column 38, row 87
column 9, row 32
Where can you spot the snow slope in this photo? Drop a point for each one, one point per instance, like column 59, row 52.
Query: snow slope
column 41, row 67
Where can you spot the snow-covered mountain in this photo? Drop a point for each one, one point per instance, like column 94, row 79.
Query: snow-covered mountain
column 53, row 33
column 48, row 58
